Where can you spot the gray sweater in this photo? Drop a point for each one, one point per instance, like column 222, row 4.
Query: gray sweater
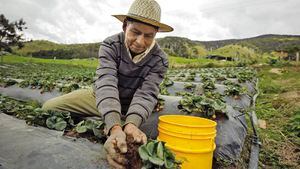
column 124, row 89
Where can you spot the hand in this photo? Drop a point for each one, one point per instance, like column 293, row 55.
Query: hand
column 137, row 135
column 115, row 147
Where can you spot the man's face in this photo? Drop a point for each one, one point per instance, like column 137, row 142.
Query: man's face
column 139, row 36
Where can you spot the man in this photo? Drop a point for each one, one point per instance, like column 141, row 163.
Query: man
column 131, row 67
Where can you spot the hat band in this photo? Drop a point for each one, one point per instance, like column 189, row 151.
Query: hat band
column 138, row 16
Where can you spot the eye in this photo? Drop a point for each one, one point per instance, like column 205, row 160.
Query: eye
column 149, row 36
column 135, row 32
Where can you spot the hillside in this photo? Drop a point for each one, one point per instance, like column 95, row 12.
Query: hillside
column 47, row 49
column 247, row 48
column 260, row 44
column 263, row 43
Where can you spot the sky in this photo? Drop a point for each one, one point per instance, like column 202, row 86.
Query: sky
column 89, row 21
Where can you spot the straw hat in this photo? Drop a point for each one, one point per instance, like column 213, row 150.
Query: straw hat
column 147, row 11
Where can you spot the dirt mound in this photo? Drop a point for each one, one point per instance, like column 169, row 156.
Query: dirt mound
column 132, row 155
column 276, row 71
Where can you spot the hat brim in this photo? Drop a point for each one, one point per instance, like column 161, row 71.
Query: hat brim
column 161, row 27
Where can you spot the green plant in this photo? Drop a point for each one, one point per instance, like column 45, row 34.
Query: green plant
column 294, row 124
column 209, row 84
column 189, row 86
column 235, row 90
column 52, row 119
column 94, row 126
column 155, row 154
column 167, row 82
column 183, row 93
column 202, row 106
column 190, row 78
column 9, row 82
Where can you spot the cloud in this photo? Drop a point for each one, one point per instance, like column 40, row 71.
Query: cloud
column 257, row 17
column 78, row 21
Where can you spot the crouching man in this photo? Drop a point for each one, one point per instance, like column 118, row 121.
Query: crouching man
column 131, row 67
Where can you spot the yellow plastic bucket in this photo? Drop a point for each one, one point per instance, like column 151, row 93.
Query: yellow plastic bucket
column 183, row 123
column 194, row 159
column 191, row 138
column 200, row 141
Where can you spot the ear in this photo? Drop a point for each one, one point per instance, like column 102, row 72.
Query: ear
column 124, row 25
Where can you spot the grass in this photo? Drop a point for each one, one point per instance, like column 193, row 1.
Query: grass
column 278, row 105
column 74, row 62
column 175, row 62
column 179, row 62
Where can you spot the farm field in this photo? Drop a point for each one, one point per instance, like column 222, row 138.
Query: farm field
column 202, row 92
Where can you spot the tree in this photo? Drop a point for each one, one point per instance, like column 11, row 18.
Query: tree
column 10, row 33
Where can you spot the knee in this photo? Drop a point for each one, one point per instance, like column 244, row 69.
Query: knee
column 50, row 105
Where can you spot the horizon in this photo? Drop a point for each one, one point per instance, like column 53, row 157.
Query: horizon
column 171, row 36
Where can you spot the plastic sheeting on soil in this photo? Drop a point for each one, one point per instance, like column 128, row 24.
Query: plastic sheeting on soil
column 28, row 147
column 231, row 132
column 28, row 94
column 220, row 88
column 242, row 102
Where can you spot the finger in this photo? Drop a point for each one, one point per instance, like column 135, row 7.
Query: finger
column 138, row 139
column 121, row 144
column 119, row 158
column 144, row 139
column 109, row 147
column 113, row 163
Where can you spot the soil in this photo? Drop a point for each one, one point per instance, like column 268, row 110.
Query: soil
column 90, row 136
column 132, row 155
column 289, row 154
column 159, row 107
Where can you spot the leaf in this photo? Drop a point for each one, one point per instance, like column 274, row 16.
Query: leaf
column 156, row 160
column 80, row 123
column 150, row 148
column 89, row 124
column 98, row 124
column 71, row 122
column 143, row 152
column 169, row 154
column 147, row 165
column 81, row 129
column 60, row 125
column 59, row 119
column 98, row 133
column 160, row 150
column 169, row 164
column 50, row 122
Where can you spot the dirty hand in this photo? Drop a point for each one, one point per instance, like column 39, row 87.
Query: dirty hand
column 133, row 131
column 115, row 147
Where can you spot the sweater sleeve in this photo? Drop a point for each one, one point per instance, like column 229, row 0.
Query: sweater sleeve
column 107, row 93
column 145, row 97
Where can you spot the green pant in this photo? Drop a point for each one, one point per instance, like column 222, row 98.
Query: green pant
column 83, row 102
column 80, row 102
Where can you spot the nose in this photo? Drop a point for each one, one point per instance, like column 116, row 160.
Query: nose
column 141, row 40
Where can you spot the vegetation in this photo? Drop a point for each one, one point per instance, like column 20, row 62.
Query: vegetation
column 156, row 155
column 182, row 47
column 179, row 62
column 10, row 33
column 237, row 52
column 92, row 63
column 244, row 51
column 278, row 104
column 50, row 50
